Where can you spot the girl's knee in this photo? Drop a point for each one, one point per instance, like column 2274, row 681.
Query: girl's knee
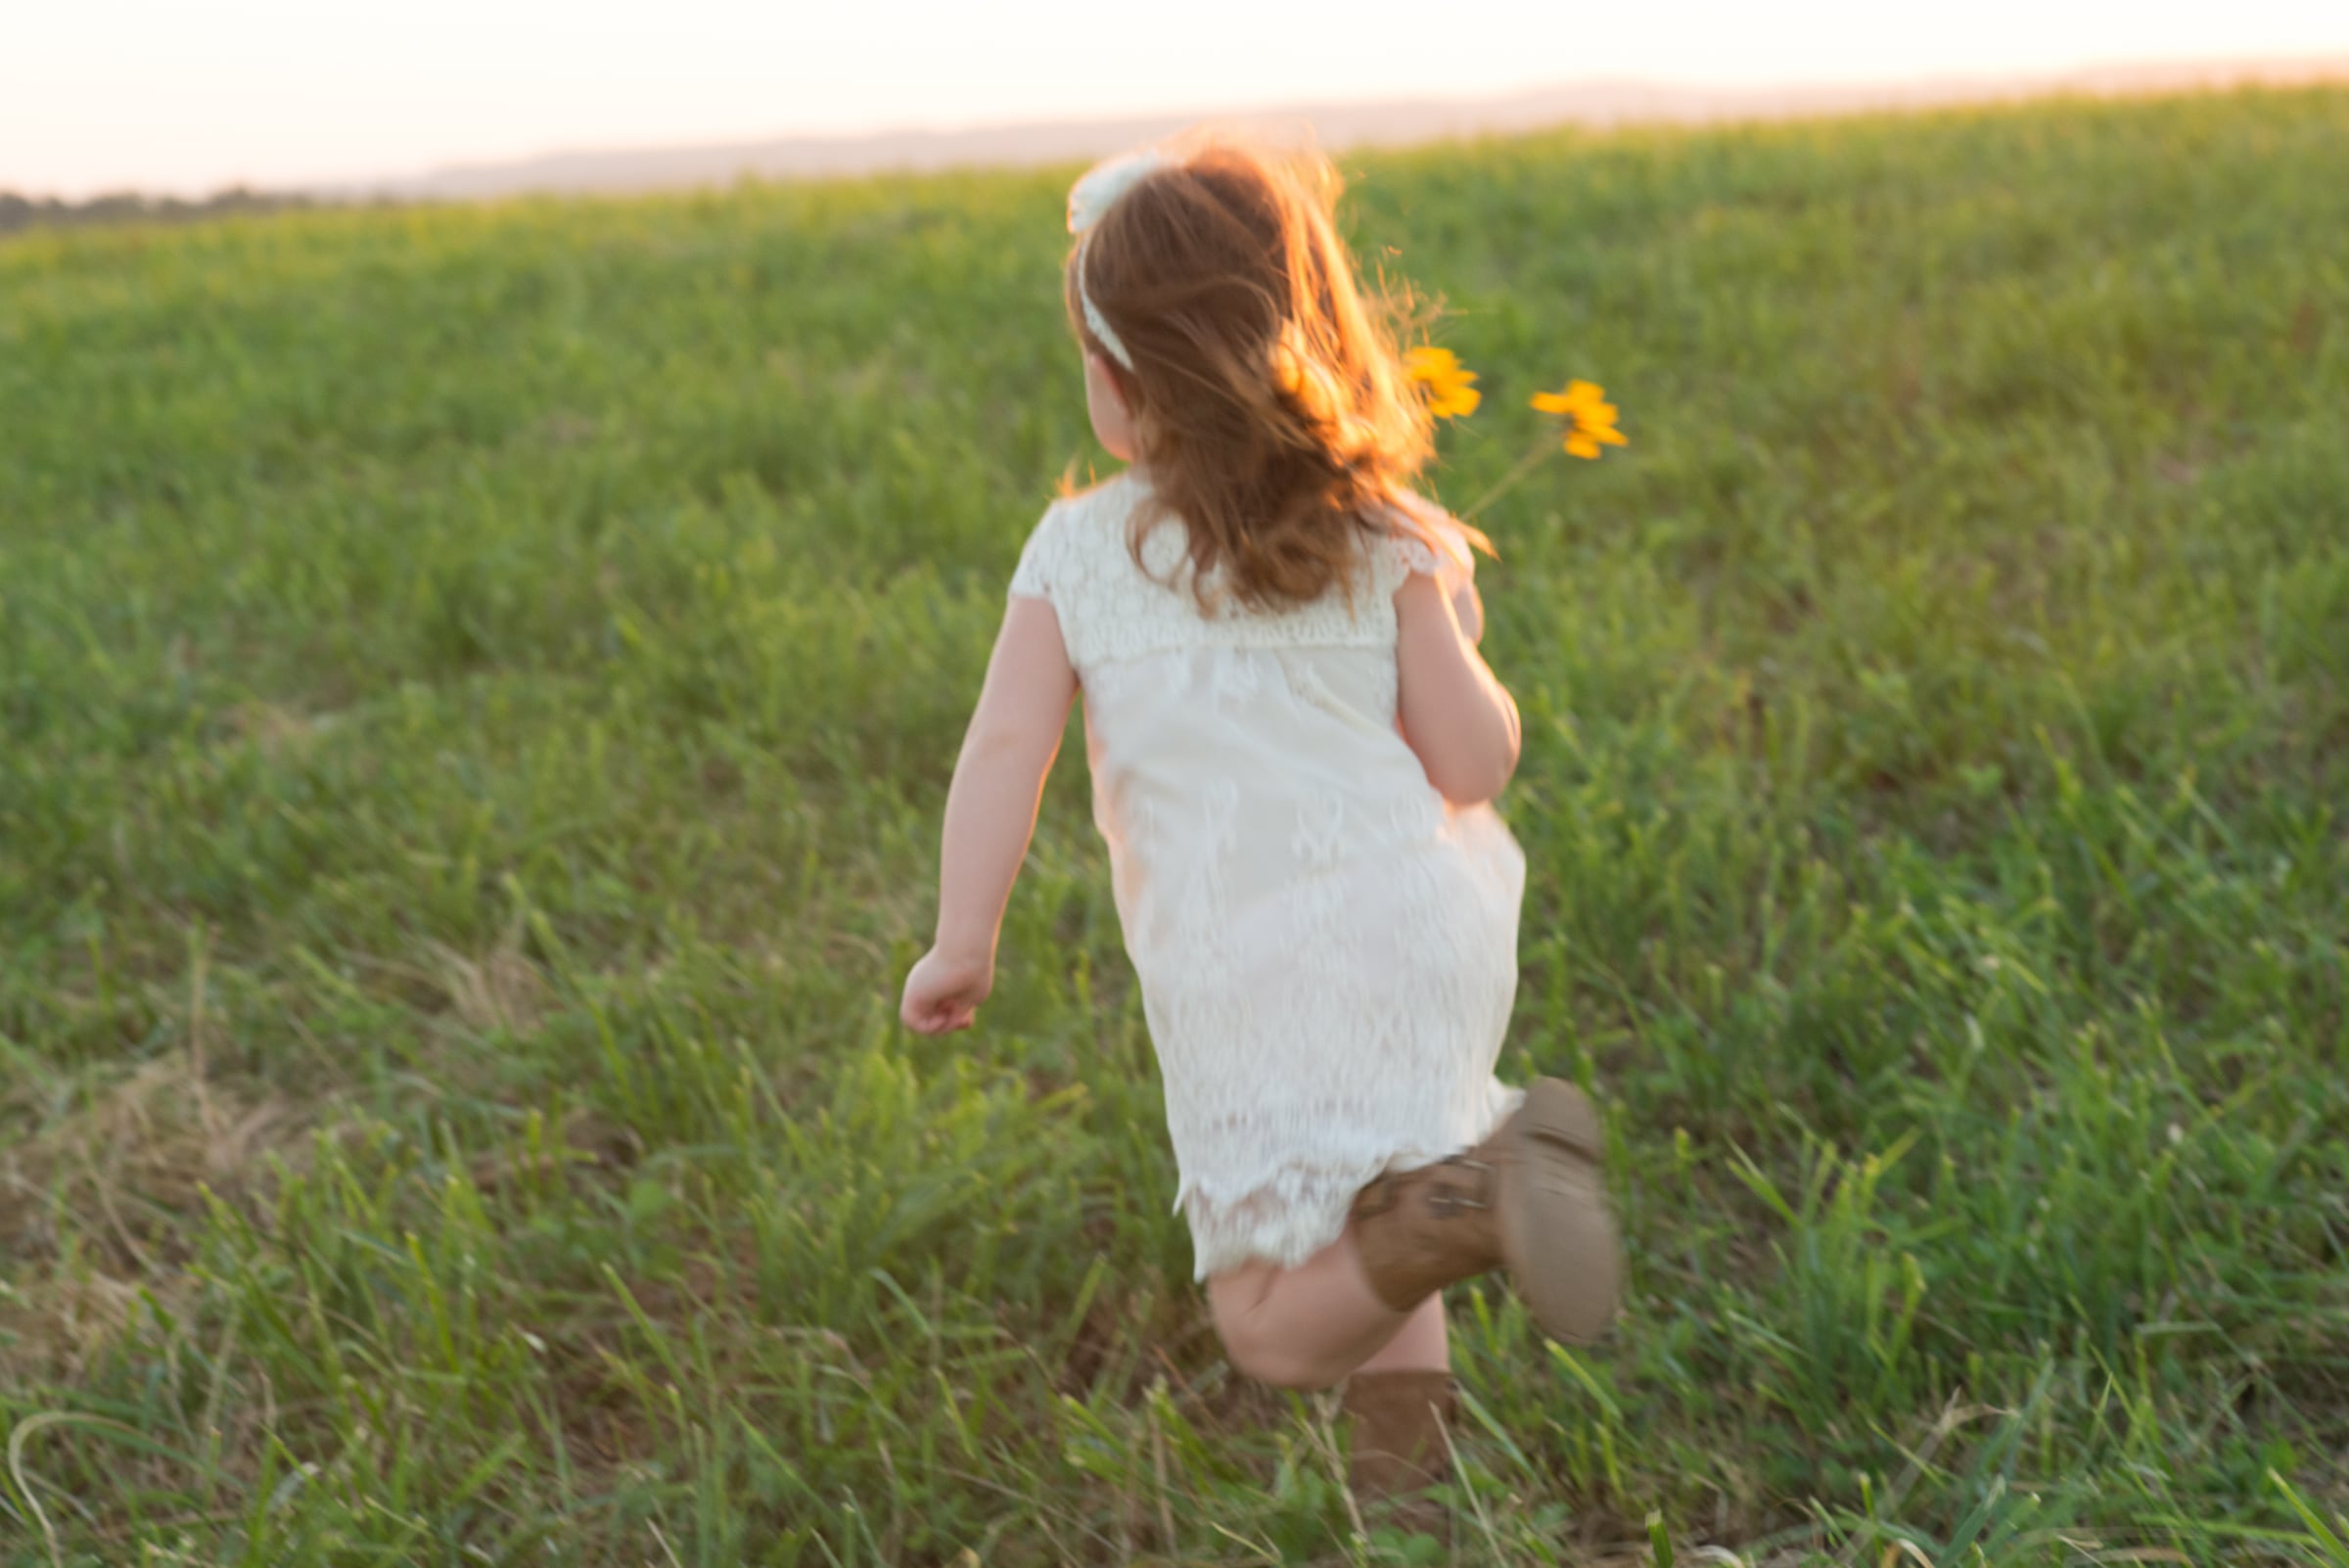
column 1272, row 1357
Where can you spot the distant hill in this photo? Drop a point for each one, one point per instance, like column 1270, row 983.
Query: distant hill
column 27, row 212
column 1335, row 126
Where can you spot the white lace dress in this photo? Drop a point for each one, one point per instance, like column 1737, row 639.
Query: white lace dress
column 1328, row 951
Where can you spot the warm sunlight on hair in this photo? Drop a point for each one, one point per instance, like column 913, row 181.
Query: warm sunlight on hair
column 1274, row 415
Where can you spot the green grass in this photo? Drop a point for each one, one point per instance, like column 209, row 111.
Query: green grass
column 478, row 687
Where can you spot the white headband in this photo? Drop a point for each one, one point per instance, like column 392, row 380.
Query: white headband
column 1090, row 200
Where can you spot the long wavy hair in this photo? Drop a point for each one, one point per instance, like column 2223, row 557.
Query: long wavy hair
column 1275, row 419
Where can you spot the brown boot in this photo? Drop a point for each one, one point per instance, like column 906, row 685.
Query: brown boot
column 1529, row 1196
column 1398, row 1422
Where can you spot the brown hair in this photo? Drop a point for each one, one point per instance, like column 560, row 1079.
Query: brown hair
column 1275, row 420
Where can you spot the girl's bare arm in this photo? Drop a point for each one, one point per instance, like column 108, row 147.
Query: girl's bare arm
column 1457, row 717
column 1007, row 754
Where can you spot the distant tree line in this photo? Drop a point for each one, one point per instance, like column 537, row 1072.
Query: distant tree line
column 129, row 207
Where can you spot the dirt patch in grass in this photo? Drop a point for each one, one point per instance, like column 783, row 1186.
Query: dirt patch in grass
column 499, row 991
column 98, row 1208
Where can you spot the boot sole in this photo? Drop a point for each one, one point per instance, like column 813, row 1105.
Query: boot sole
column 1557, row 1232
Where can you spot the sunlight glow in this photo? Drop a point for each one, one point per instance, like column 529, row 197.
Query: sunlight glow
column 102, row 94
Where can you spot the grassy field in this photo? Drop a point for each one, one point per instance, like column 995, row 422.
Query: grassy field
column 477, row 689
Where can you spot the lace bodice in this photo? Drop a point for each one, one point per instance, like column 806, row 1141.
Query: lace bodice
column 1081, row 559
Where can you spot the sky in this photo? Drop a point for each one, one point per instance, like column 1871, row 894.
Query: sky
column 188, row 96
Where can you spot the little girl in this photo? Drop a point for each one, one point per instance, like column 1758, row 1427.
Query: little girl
column 1293, row 740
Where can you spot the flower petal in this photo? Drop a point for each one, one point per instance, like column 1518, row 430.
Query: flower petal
column 1552, row 403
column 1427, row 363
column 1581, row 446
column 1584, row 393
column 1611, row 435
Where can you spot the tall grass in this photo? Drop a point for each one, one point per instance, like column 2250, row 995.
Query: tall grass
column 477, row 688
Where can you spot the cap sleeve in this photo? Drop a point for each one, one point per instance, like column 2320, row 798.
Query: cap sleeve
column 1412, row 555
column 1041, row 560
column 1405, row 552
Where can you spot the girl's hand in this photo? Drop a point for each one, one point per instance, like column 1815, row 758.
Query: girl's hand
column 944, row 991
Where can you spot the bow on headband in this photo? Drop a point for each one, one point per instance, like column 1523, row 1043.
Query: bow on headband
column 1089, row 201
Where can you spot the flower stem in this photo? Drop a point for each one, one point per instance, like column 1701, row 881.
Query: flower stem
column 1508, row 481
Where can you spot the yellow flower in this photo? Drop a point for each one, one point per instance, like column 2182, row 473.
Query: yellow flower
column 1590, row 417
column 1438, row 373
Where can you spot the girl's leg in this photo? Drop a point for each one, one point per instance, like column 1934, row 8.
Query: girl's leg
column 1307, row 1327
column 1422, row 1344
column 1399, row 1404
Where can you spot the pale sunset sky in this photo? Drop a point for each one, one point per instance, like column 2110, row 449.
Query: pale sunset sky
column 169, row 95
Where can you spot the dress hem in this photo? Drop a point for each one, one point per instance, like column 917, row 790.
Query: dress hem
column 1286, row 1233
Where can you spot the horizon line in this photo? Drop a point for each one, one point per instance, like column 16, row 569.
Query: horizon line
column 1336, row 124
column 1600, row 102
